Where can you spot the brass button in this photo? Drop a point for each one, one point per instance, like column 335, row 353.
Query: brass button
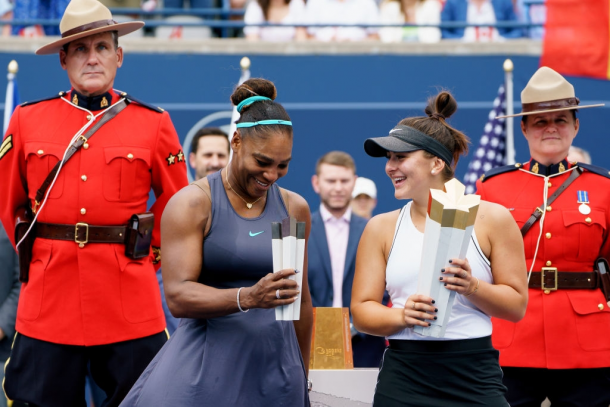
column 89, row 117
column 588, row 220
column 130, row 156
column 83, row 211
column 548, row 208
column 548, row 235
column 123, row 93
column 549, row 185
column 600, row 306
column 61, row 93
column 548, row 263
column 83, row 177
column 86, row 146
column 40, row 152
column 81, row 245
column 547, row 292
column 518, row 165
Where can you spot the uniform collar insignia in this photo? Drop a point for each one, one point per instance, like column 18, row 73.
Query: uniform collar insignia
column 552, row 169
column 91, row 103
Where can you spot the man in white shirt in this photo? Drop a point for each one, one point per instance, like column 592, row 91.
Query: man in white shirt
column 342, row 12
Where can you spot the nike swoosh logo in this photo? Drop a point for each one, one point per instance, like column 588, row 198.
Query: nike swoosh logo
column 255, row 234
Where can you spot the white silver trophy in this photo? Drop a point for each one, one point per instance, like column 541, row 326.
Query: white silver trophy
column 449, row 225
column 288, row 248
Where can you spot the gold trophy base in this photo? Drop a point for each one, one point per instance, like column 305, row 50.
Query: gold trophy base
column 331, row 340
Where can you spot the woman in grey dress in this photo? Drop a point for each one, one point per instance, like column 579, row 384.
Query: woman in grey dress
column 217, row 267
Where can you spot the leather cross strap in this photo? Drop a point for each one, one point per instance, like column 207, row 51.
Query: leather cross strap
column 538, row 212
column 110, row 113
column 82, row 233
column 565, row 279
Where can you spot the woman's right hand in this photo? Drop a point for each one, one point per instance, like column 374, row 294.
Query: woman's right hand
column 418, row 310
column 264, row 294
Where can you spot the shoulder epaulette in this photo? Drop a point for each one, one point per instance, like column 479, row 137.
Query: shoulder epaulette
column 60, row 94
column 595, row 169
column 144, row 104
column 500, row 170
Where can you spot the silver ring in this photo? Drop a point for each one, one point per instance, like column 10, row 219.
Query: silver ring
column 413, row 307
column 277, row 294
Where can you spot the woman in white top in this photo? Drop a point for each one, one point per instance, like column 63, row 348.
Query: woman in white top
column 277, row 12
column 411, row 12
column 460, row 369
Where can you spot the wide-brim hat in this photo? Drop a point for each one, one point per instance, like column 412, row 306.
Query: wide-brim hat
column 83, row 18
column 547, row 91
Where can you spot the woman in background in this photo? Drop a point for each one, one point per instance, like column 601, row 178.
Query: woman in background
column 277, row 12
column 410, row 12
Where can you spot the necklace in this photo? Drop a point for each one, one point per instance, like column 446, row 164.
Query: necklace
column 248, row 204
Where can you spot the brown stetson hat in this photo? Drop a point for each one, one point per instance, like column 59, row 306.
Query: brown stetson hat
column 83, row 18
column 547, row 91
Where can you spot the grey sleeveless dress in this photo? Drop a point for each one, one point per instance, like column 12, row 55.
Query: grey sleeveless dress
column 242, row 359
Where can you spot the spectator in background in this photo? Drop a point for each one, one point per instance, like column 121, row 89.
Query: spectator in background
column 193, row 4
column 275, row 11
column 364, row 198
column 411, row 12
column 479, row 12
column 209, row 151
column 38, row 9
column 6, row 13
column 577, row 154
column 342, row 12
column 532, row 13
column 9, row 296
column 335, row 234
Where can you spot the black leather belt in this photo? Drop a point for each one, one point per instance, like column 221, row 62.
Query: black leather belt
column 550, row 279
column 81, row 233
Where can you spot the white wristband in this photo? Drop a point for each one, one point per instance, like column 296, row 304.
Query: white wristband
column 238, row 305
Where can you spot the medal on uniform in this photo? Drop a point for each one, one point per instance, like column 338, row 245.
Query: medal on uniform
column 583, row 200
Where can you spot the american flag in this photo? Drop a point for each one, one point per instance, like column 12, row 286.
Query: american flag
column 491, row 151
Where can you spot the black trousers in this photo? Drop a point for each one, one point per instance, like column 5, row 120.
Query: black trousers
column 528, row 387
column 46, row 374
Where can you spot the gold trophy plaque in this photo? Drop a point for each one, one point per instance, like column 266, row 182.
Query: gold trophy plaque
column 331, row 339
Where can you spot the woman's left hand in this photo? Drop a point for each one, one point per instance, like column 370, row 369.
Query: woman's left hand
column 462, row 281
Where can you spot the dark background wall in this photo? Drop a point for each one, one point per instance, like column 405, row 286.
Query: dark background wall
column 335, row 102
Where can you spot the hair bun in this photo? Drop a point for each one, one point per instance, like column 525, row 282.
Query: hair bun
column 441, row 106
column 253, row 87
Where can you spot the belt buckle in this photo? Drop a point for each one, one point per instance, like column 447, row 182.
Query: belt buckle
column 547, row 290
column 81, row 243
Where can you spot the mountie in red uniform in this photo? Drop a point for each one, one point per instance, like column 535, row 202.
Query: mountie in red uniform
column 94, row 294
column 563, row 328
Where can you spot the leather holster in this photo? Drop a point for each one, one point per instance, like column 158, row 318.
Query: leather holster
column 23, row 220
column 601, row 266
column 139, row 235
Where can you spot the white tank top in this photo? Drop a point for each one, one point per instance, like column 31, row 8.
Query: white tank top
column 466, row 320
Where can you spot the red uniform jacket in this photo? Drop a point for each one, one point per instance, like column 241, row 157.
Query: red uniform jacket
column 567, row 328
column 92, row 295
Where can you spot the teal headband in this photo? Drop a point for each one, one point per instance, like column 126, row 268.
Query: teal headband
column 249, row 101
column 252, row 124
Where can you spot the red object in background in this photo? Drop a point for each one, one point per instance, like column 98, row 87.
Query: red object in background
column 577, row 37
